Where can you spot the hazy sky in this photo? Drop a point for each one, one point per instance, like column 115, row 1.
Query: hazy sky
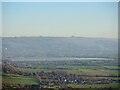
column 61, row 19
column 0, row 19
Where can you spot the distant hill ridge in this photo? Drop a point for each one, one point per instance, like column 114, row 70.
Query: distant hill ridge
column 28, row 47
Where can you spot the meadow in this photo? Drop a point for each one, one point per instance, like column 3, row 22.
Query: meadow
column 83, row 70
column 19, row 79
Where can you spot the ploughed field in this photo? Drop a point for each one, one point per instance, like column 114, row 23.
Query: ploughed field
column 61, row 74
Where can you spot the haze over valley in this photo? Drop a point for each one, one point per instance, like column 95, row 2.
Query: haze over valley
column 58, row 47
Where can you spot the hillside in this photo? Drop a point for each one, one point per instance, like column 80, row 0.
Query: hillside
column 31, row 47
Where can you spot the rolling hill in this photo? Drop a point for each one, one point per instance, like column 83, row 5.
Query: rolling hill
column 31, row 47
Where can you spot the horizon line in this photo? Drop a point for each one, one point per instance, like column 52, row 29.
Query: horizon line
column 58, row 37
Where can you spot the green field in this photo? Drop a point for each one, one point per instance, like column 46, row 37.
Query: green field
column 19, row 79
column 86, row 70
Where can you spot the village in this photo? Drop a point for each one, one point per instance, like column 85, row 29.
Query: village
column 55, row 78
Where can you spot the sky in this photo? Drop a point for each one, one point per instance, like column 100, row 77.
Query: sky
column 82, row 19
column 0, row 19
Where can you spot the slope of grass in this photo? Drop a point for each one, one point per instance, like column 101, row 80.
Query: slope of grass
column 19, row 79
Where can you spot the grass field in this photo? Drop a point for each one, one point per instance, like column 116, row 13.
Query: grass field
column 19, row 79
column 87, row 70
